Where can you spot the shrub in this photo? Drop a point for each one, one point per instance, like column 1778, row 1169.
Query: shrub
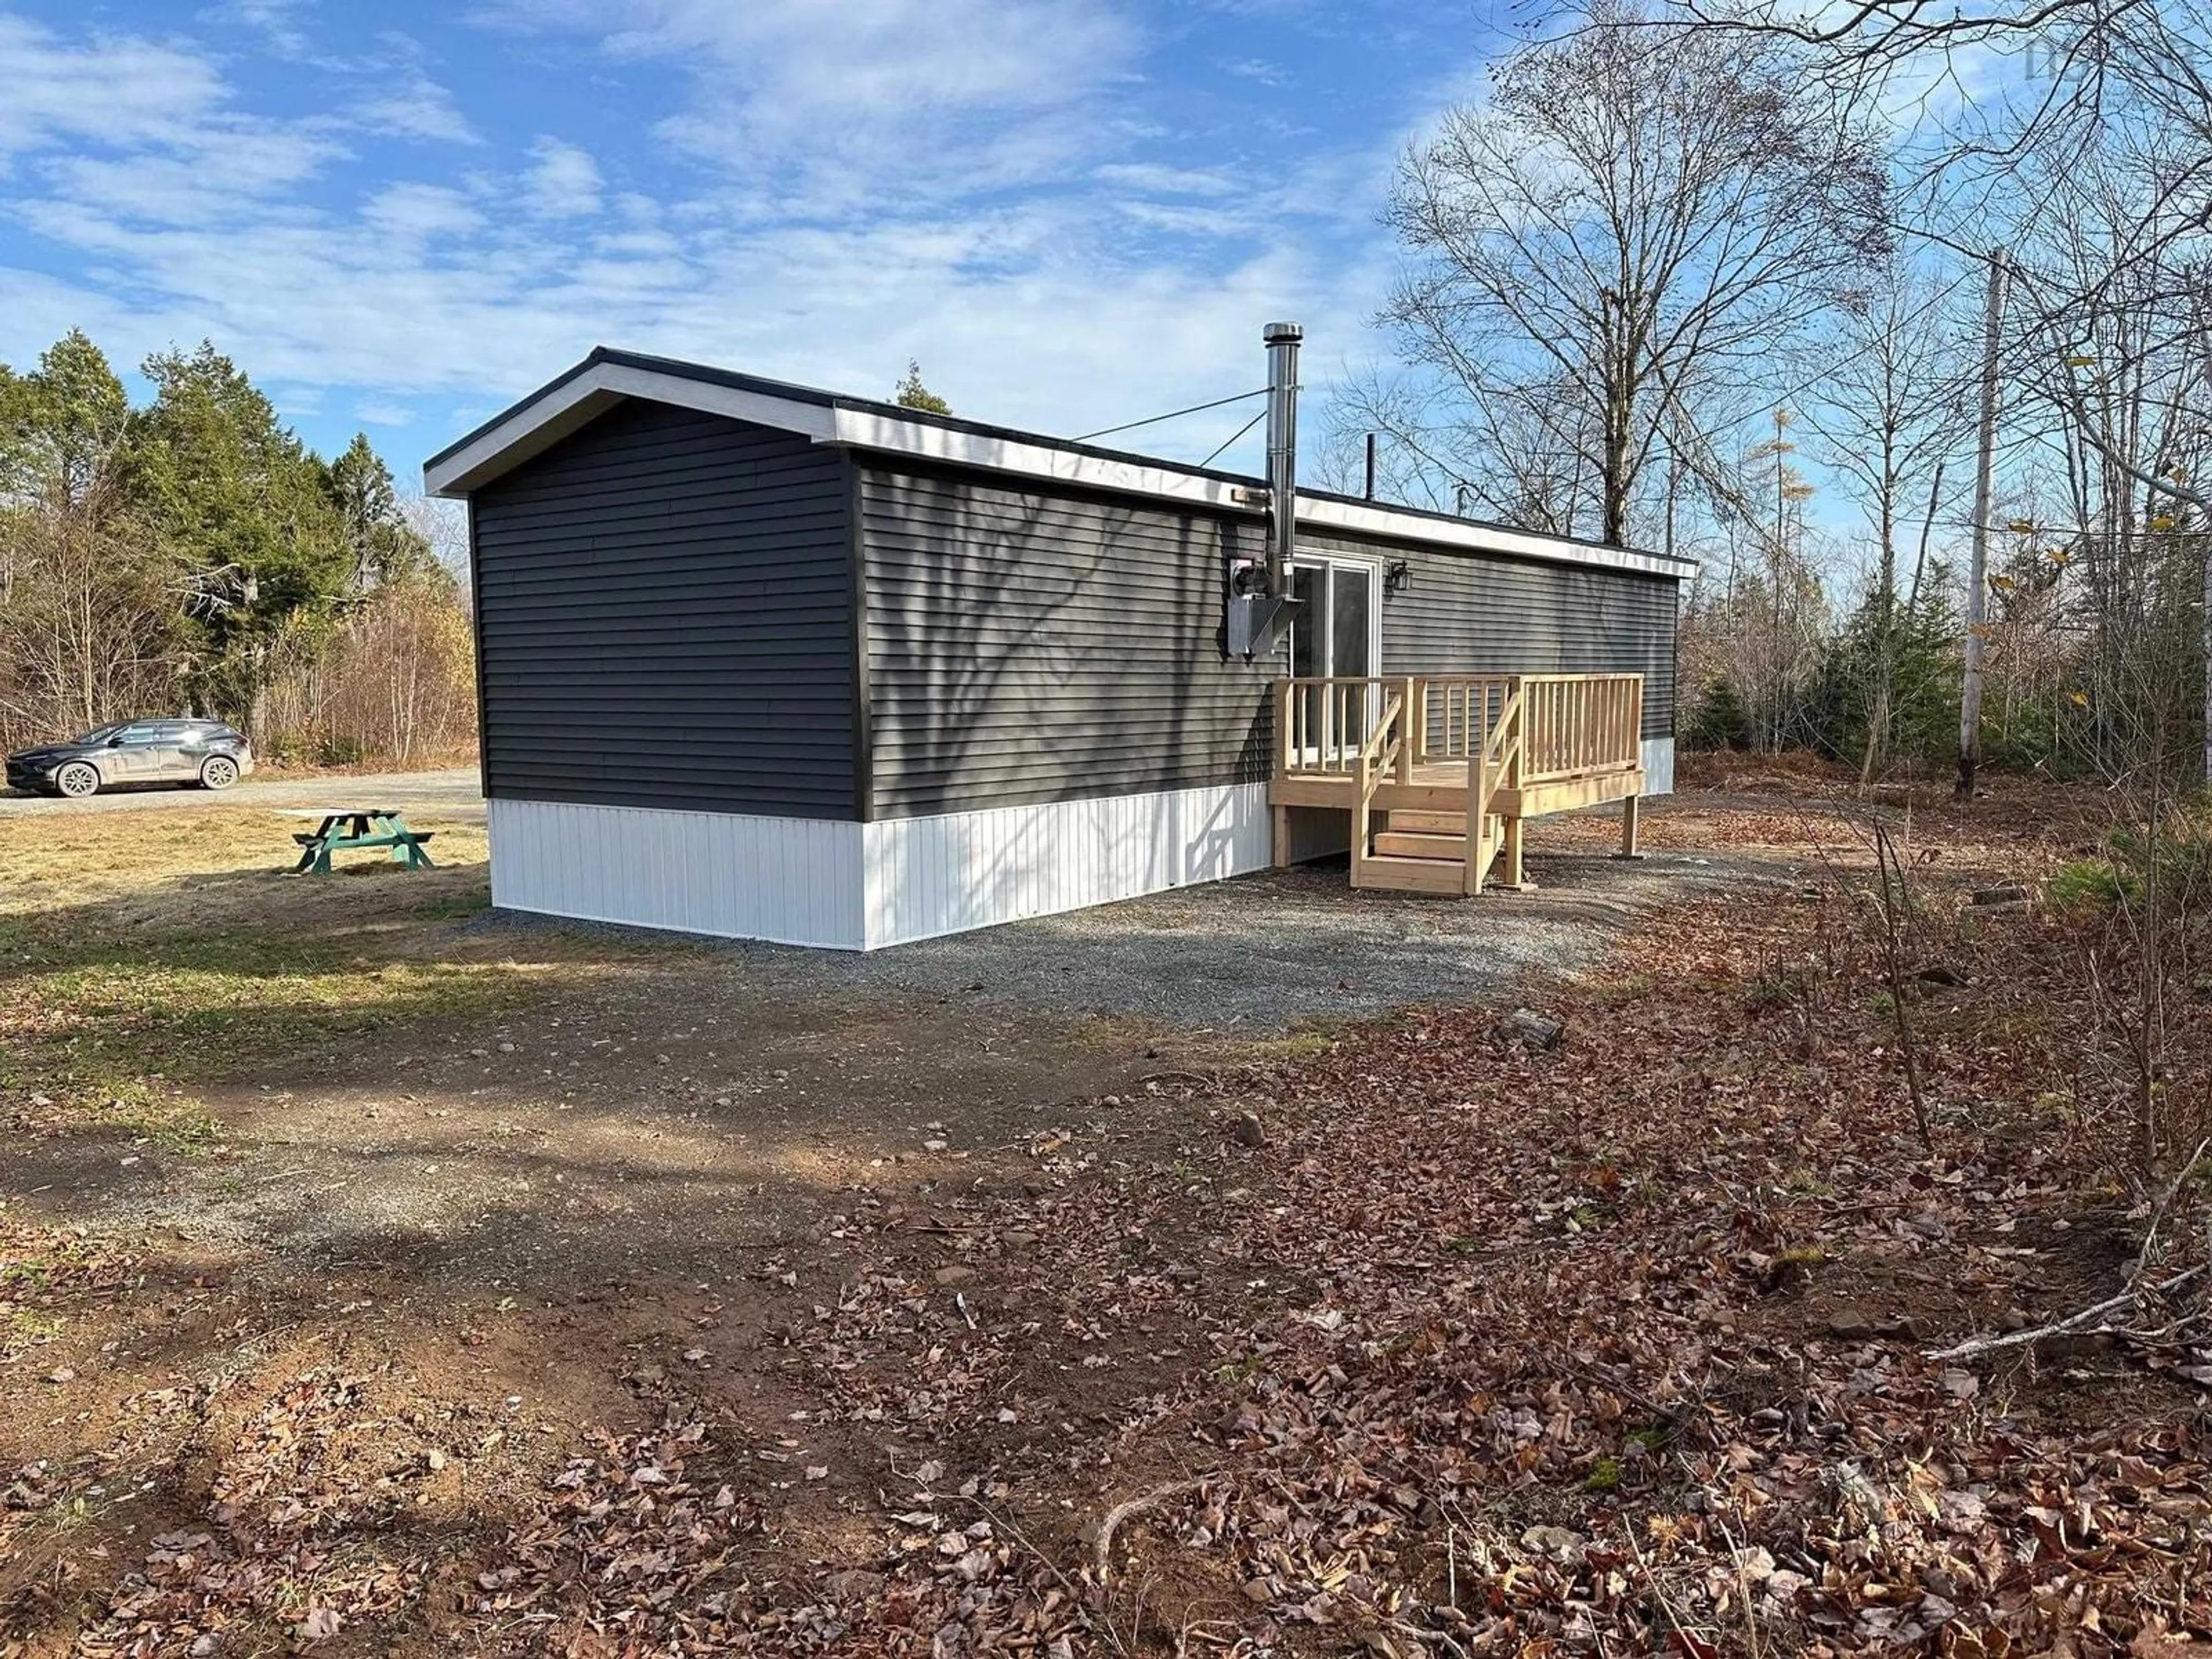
column 2177, row 856
column 1718, row 720
column 2092, row 885
column 1915, row 653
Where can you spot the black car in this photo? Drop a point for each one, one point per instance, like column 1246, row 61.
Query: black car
column 205, row 752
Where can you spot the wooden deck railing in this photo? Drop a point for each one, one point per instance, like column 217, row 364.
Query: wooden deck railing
column 1571, row 726
column 1502, row 763
column 1582, row 724
column 1321, row 725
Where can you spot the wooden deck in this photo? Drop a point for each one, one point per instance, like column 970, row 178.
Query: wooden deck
column 1419, row 761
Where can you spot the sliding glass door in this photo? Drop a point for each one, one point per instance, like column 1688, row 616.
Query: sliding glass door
column 1336, row 634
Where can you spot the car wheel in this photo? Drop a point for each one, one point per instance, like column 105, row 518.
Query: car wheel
column 218, row 772
column 77, row 780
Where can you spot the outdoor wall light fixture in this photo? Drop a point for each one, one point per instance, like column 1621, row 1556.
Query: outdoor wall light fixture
column 1397, row 576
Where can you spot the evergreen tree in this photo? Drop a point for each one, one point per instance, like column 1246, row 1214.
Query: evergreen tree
column 244, row 505
column 15, row 433
column 61, row 425
column 88, row 623
column 1893, row 666
column 1719, row 720
column 196, row 556
column 385, row 548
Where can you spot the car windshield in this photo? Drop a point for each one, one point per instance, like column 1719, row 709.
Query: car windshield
column 101, row 733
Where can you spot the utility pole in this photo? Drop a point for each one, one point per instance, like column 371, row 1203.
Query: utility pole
column 1977, row 583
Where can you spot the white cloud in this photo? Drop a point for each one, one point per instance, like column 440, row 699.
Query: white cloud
column 563, row 181
column 278, row 21
column 420, row 213
column 880, row 100
column 1154, row 179
column 201, row 174
column 418, row 108
column 111, row 92
column 849, row 216
column 1258, row 69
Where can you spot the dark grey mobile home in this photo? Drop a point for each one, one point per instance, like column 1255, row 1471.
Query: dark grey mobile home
column 761, row 661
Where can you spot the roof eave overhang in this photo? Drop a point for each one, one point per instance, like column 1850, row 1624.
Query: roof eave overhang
column 539, row 423
column 1424, row 529
column 541, row 420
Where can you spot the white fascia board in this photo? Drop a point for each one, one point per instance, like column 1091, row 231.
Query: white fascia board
column 568, row 406
column 866, row 430
column 1363, row 519
column 863, row 429
column 539, row 425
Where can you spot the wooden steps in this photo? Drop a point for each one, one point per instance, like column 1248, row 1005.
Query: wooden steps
column 1439, row 823
column 1430, row 858
column 1438, row 774
column 1404, row 875
column 1412, row 844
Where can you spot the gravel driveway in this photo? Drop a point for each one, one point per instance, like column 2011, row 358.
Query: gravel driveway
column 1255, row 955
column 454, row 793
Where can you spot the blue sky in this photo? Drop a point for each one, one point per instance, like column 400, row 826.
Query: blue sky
column 397, row 217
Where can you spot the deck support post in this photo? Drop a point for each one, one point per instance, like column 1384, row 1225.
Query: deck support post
column 1512, row 878
column 1630, row 826
column 1282, row 838
column 1362, row 798
column 1478, row 819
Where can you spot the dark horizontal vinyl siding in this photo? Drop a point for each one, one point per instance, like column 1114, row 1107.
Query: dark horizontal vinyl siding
column 1038, row 645
column 665, row 609
column 1483, row 614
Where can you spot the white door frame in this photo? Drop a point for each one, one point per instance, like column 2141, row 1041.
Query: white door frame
column 1329, row 562
column 1323, row 559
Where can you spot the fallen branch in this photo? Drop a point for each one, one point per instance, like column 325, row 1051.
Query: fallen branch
column 2073, row 1325
column 2159, row 1211
column 1689, row 1643
column 1138, row 1505
column 1211, row 1082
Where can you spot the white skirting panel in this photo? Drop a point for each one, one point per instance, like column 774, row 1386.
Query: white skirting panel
column 795, row 881
column 944, row 875
column 1658, row 766
column 858, row 887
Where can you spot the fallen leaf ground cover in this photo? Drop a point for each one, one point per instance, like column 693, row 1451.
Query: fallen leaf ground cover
column 1403, row 1339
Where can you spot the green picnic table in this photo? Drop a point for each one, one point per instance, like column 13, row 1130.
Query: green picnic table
column 356, row 828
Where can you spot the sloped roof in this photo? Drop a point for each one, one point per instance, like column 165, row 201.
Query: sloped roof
column 607, row 376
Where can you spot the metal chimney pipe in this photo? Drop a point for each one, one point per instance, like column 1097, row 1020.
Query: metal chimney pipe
column 1283, row 339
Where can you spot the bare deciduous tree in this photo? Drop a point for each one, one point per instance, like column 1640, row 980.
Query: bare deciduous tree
column 2076, row 134
column 1625, row 219
column 88, row 602
column 1890, row 409
column 1890, row 403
